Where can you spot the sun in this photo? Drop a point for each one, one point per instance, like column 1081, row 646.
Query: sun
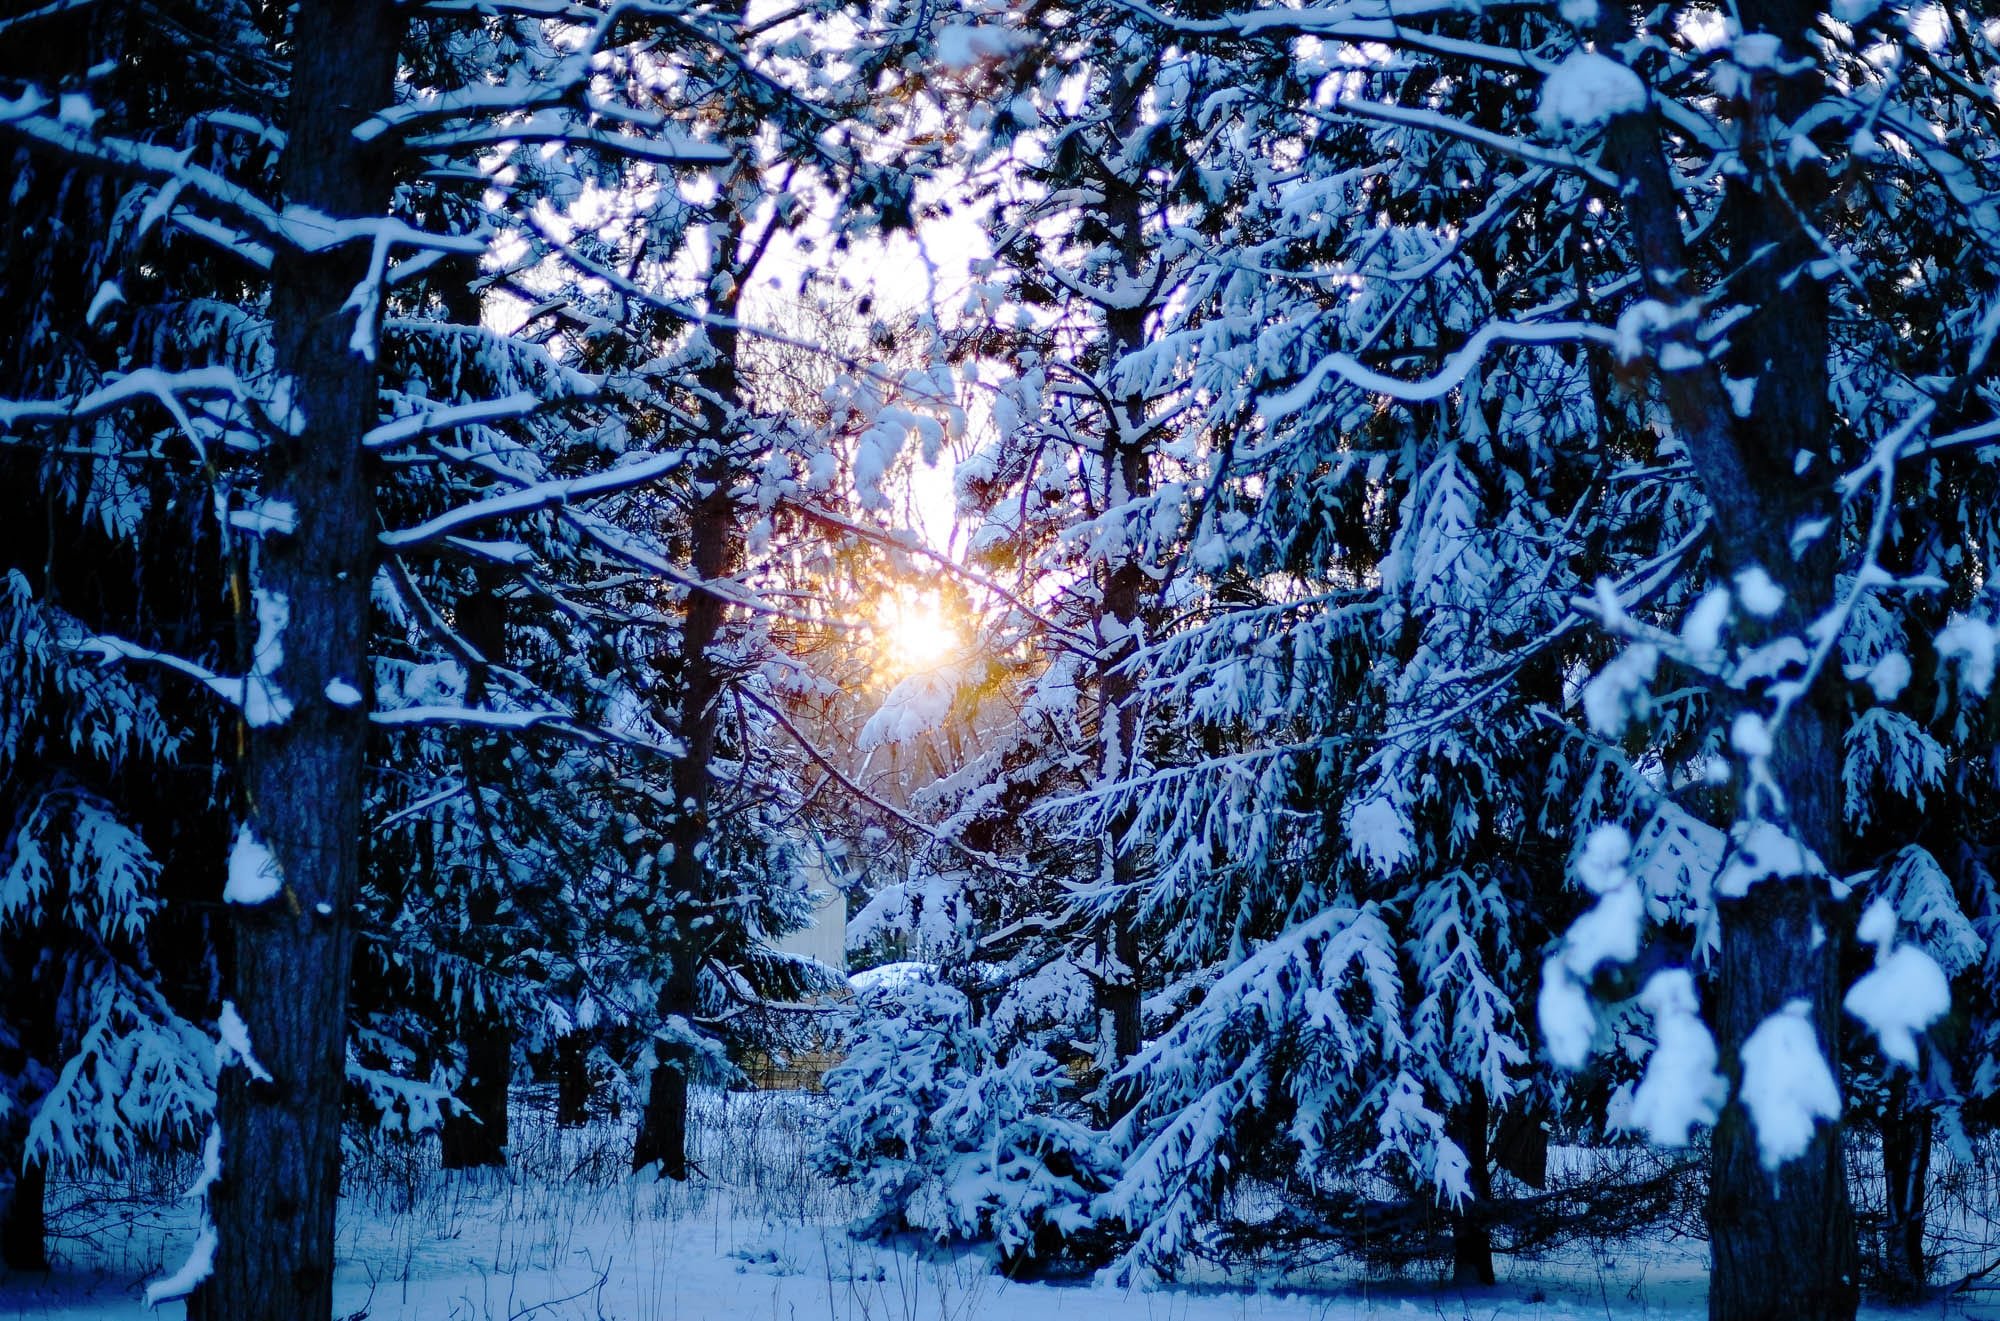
column 913, row 632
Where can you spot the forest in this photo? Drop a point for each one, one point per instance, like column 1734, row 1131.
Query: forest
column 1209, row 650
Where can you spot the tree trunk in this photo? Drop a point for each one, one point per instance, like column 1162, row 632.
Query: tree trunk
column 1521, row 1146
column 1471, row 1234
column 273, row 1206
column 572, row 1081
column 715, row 547
column 24, row 1227
column 1907, row 1132
column 1783, row 1240
column 1127, row 476
column 663, row 1127
column 478, row 1136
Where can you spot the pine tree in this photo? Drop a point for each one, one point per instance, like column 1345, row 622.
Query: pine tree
column 107, row 775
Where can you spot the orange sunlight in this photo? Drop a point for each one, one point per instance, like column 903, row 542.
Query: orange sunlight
column 913, row 633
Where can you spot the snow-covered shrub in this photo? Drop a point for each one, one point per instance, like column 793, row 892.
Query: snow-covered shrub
column 948, row 1140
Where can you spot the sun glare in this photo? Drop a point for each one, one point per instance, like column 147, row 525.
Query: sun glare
column 913, row 633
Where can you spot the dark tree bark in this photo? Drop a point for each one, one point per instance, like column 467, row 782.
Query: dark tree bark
column 24, row 1225
column 1521, row 1146
column 477, row 1136
column 1471, row 1230
column 1127, row 475
column 273, row 1206
column 573, row 1081
column 1783, row 1240
column 1907, row 1133
column 715, row 548
column 663, row 1126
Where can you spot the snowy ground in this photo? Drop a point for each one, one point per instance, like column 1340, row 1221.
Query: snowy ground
column 565, row 1237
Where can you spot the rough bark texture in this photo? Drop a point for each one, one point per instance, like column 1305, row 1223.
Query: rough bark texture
column 273, row 1206
column 663, row 1126
column 1127, row 475
column 1783, row 1241
column 715, row 547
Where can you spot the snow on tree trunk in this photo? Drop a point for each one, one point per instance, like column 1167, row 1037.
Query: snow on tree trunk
column 663, row 1126
column 1127, row 478
column 716, row 547
column 1783, row 1239
column 273, row 1206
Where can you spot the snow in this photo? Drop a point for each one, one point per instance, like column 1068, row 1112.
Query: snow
column 892, row 977
column 254, row 874
column 1787, row 1086
column 1926, row 906
column 915, row 707
column 1702, row 631
column 1380, row 835
column 960, row 46
column 198, row 1266
column 1298, row 693
column 264, row 703
column 1608, row 933
column 108, row 295
column 563, row 1236
column 211, row 1165
column 1678, row 357
column 1755, row 50
column 1904, row 994
column 200, row 1261
column 1586, row 90
column 1974, row 644
column 1806, row 532
column 1567, row 1022
column 632, row 470
column 1878, row 924
column 266, row 518
column 1681, row 1088
column 1621, row 690
column 74, row 108
column 1750, row 736
column 1762, row 851
column 1601, row 865
column 1889, row 676
column 1759, row 594
column 233, row 1042
column 1676, row 858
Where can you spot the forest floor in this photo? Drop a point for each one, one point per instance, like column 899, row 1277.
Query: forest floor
column 565, row 1235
